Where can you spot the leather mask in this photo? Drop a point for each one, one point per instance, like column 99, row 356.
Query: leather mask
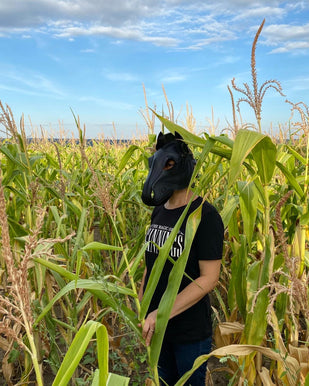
column 160, row 184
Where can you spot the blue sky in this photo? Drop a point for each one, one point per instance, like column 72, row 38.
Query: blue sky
column 95, row 56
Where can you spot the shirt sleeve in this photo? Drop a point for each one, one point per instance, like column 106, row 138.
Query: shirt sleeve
column 209, row 236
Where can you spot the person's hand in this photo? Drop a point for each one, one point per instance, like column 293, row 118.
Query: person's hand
column 149, row 327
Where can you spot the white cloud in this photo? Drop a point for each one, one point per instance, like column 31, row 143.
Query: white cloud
column 287, row 38
column 283, row 32
column 35, row 12
column 292, row 47
column 198, row 44
column 123, row 33
column 260, row 12
column 169, row 23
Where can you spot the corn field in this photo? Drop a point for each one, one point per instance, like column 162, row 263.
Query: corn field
column 73, row 240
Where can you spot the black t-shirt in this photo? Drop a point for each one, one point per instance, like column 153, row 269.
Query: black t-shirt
column 195, row 323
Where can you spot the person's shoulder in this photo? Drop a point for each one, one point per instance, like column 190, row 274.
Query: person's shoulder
column 208, row 207
column 209, row 211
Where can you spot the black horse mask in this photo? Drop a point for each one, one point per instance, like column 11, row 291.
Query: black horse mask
column 160, row 184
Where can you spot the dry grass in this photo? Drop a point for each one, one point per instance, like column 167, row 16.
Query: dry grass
column 8, row 122
column 150, row 120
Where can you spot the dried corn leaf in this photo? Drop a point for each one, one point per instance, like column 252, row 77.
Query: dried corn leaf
column 7, row 369
column 4, row 344
column 304, row 369
column 300, row 353
column 243, row 350
column 289, row 363
column 227, row 328
column 265, row 377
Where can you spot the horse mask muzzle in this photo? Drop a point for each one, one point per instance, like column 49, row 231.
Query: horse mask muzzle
column 160, row 183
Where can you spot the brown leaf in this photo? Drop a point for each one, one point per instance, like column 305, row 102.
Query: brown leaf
column 7, row 369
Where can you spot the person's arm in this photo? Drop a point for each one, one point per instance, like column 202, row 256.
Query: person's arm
column 190, row 295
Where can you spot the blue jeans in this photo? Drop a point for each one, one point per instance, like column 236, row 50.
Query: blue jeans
column 176, row 359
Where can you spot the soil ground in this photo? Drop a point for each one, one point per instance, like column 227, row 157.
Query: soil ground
column 217, row 375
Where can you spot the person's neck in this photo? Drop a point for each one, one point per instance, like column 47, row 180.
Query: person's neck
column 178, row 199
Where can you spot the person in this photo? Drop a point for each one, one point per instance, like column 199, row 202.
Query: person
column 189, row 331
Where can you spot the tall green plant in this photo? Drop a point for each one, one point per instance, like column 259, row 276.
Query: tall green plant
column 77, row 350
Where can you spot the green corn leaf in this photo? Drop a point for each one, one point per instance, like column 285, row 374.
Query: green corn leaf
column 77, row 350
column 264, row 154
column 83, row 302
column 61, row 251
column 10, row 173
column 225, row 140
column 52, row 161
column 282, row 302
column 68, row 160
column 16, row 229
column 159, row 264
column 55, row 267
column 138, row 259
column 94, row 245
column 307, row 380
column 186, row 135
column 19, row 192
column 74, row 208
column 117, row 380
column 245, row 141
column 297, row 155
column 126, row 157
column 222, row 304
column 102, row 339
column 79, row 235
column 222, row 152
column 248, row 199
column 58, row 219
column 4, row 149
column 169, row 296
column 229, row 209
column 304, row 219
column 201, row 159
column 237, row 291
column 52, row 191
column 206, row 180
column 258, row 277
column 103, row 291
column 112, row 380
column 78, row 264
column 261, row 191
column 291, row 179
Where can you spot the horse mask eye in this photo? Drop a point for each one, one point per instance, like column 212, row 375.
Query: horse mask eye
column 162, row 180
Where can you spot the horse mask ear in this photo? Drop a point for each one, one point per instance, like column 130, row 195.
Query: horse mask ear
column 164, row 139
